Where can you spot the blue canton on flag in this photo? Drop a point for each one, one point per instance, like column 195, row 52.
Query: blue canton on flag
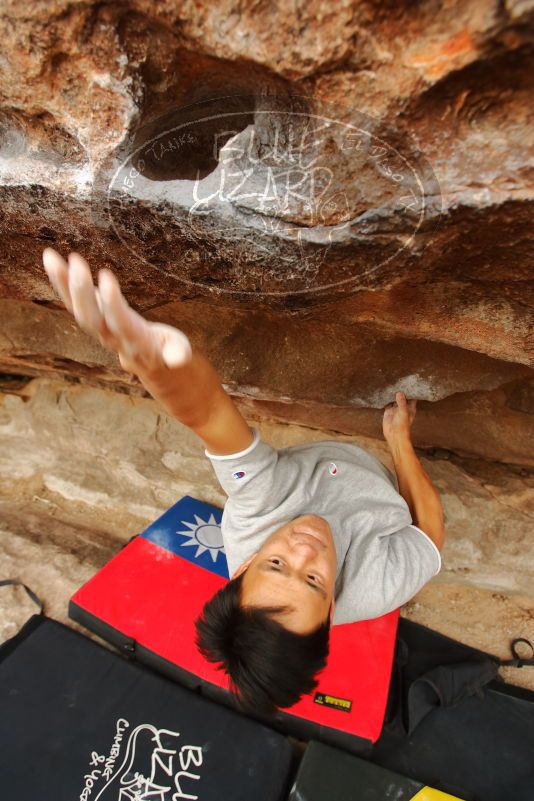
column 191, row 529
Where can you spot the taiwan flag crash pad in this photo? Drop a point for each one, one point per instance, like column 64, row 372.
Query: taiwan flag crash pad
column 146, row 599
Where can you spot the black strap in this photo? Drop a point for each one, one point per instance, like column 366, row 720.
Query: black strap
column 518, row 661
column 35, row 598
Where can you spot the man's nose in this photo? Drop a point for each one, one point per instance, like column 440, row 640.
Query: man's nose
column 302, row 553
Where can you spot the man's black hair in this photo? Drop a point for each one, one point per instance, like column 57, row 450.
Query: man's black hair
column 269, row 667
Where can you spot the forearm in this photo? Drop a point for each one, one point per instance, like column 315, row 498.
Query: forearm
column 187, row 392
column 194, row 395
column 418, row 491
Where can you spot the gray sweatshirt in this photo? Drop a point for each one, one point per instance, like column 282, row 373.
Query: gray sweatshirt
column 383, row 560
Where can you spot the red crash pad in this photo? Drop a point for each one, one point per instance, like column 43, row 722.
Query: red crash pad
column 146, row 599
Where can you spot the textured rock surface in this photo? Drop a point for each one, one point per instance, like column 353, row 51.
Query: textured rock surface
column 307, row 383
column 83, row 469
column 104, row 127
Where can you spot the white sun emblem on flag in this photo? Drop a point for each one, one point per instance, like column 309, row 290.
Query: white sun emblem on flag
column 206, row 535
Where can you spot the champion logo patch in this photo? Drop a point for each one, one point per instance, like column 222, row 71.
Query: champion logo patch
column 239, row 474
column 332, row 469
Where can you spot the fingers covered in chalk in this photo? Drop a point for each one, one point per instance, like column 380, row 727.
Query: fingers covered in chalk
column 176, row 348
column 103, row 311
column 73, row 283
column 83, row 295
column 126, row 324
column 57, row 271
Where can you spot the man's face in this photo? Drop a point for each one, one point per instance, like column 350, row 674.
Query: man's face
column 295, row 567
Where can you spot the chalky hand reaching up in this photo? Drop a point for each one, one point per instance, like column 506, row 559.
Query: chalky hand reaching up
column 102, row 311
column 177, row 375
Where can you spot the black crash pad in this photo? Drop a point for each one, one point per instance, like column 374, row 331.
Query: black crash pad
column 80, row 722
column 480, row 742
column 483, row 744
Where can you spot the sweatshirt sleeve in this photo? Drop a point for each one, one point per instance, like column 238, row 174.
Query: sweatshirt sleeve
column 259, row 481
column 249, row 477
column 395, row 567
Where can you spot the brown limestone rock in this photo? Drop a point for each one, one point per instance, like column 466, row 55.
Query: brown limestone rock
column 334, row 205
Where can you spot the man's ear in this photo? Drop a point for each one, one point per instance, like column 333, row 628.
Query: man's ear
column 332, row 607
column 243, row 567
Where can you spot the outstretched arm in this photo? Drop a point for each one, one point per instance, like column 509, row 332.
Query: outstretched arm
column 178, row 376
column 415, row 486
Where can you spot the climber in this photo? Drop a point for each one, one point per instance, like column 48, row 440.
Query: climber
column 315, row 535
